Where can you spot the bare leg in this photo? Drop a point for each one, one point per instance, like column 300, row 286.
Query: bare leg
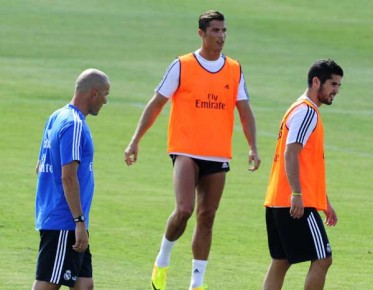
column 43, row 285
column 209, row 192
column 317, row 274
column 83, row 284
column 185, row 178
column 276, row 274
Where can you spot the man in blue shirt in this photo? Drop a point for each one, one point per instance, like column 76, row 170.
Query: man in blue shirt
column 65, row 188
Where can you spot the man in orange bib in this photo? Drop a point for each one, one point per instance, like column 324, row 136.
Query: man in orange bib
column 297, row 190
column 204, row 87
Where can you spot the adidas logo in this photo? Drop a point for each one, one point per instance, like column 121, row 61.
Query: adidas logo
column 225, row 165
column 226, row 87
column 196, row 271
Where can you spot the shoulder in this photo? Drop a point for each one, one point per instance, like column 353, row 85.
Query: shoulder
column 231, row 61
column 302, row 115
column 302, row 110
column 233, row 64
column 187, row 57
column 301, row 106
column 174, row 65
column 70, row 119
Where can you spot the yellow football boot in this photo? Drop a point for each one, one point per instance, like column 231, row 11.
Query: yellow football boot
column 159, row 277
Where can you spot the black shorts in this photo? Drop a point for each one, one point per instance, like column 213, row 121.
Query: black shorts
column 57, row 262
column 296, row 240
column 207, row 167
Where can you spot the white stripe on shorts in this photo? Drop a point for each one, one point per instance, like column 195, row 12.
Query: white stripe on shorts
column 317, row 237
column 60, row 257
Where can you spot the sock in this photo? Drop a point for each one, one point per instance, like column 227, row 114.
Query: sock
column 198, row 273
column 164, row 255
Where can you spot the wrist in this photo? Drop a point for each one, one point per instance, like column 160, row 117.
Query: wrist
column 79, row 219
column 252, row 149
column 135, row 139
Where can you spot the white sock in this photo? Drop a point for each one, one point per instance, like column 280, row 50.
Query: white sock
column 198, row 273
column 164, row 255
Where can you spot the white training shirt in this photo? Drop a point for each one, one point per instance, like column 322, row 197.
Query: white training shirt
column 171, row 78
column 301, row 123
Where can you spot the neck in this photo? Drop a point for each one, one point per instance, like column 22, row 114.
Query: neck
column 312, row 95
column 76, row 102
column 209, row 55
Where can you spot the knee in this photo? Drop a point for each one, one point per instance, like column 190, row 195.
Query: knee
column 281, row 266
column 184, row 213
column 87, row 287
column 84, row 284
column 90, row 286
column 206, row 217
column 324, row 264
column 327, row 262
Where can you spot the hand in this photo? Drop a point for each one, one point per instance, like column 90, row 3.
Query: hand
column 37, row 167
column 130, row 154
column 254, row 160
column 330, row 216
column 297, row 208
column 81, row 237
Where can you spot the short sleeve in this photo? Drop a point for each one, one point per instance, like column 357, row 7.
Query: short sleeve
column 301, row 123
column 242, row 94
column 171, row 80
column 71, row 142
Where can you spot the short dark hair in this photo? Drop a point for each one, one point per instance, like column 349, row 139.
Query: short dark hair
column 207, row 17
column 323, row 69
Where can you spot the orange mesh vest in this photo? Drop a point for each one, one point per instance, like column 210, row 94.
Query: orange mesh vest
column 202, row 109
column 311, row 168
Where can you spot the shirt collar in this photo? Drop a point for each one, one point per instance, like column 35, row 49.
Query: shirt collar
column 77, row 110
column 305, row 97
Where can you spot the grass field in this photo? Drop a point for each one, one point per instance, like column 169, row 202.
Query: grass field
column 44, row 45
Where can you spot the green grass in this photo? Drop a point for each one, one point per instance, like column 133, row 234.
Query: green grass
column 44, row 45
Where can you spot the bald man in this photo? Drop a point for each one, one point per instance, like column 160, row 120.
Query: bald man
column 65, row 188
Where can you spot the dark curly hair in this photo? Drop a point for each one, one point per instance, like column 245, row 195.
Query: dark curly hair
column 323, row 69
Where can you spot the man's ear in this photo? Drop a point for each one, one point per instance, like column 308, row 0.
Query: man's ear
column 93, row 93
column 316, row 82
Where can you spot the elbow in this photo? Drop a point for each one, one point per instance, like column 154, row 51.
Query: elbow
column 68, row 180
column 290, row 157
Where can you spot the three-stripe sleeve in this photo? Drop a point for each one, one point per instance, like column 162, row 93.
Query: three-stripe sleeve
column 305, row 124
column 77, row 134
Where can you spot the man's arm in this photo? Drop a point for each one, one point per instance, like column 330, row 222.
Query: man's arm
column 149, row 115
column 249, row 128
column 71, row 189
column 37, row 167
column 292, row 171
column 330, row 214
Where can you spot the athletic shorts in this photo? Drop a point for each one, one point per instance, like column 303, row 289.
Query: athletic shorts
column 207, row 167
column 57, row 262
column 296, row 240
